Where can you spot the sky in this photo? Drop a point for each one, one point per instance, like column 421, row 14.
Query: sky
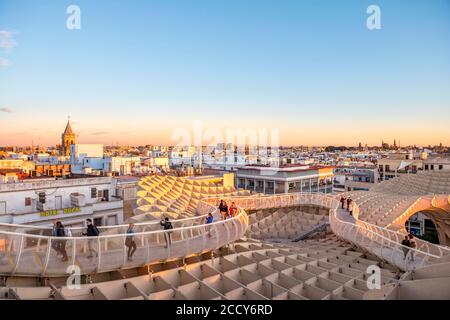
column 137, row 71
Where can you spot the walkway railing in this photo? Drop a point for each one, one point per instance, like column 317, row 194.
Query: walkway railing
column 382, row 242
column 34, row 254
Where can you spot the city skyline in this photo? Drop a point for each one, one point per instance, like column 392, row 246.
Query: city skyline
column 315, row 72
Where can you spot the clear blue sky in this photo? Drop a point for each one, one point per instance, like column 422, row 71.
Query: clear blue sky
column 138, row 69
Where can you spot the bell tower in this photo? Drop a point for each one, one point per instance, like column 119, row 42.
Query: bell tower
column 67, row 139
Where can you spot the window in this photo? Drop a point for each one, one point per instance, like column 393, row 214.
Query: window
column 426, row 167
column 432, row 167
column 27, row 201
column 41, row 197
column 93, row 193
column 111, row 220
column 2, row 207
column 100, row 193
column 441, row 167
column 98, row 221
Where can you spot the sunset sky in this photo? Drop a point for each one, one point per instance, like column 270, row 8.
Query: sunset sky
column 138, row 70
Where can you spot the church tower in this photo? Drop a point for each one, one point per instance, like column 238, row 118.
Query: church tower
column 67, row 139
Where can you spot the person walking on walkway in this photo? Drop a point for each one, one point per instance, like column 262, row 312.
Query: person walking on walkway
column 209, row 220
column 61, row 244
column 167, row 234
column 54, row 233
column 350, row 206
column 405, row 246
column 91, row 231
column 129, row 242
column 223, row 209
column 413, row 245
column 342, row 202
column 233, row 210
column 349, row 200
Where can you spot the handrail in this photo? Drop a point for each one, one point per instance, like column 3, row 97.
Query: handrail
column 71, row 229
column 35, row 256
column 36, row 236
column 193, row 239
column 381, row 233
column 383, row 237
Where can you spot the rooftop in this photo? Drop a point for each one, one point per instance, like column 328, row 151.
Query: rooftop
column 284, row 168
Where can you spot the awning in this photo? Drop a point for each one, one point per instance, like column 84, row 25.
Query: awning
column 404, row 164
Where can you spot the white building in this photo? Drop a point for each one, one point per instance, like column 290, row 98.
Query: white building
column 41, row 201
column 285, row 179
column 89, row 159
column 86, row 158
column 122, row 165
column 436, row 164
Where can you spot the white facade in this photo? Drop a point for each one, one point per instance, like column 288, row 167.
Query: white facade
column 86, row 158
column 39, row 202
column 436, row 164
column 272, row 180
column 122, row 165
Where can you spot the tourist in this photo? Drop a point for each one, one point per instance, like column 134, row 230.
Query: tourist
column 342, row 202
column 413, row 245
column 55, row 234
column 209, row 220
column 61, row 244
column 91, row 231
column 350, row 207
column 167, row 234
column 349, row 200
column 405, row 246
column 233, row 210
column 129, row 242
column 223, row 209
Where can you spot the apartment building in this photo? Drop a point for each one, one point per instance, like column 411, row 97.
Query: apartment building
column 40, row 201
column 285, row 179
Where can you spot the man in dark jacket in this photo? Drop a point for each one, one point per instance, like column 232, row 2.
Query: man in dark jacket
column 342, row 202
column 405, row 246
column 60, row 232
column 91, row 231
column 168, row 234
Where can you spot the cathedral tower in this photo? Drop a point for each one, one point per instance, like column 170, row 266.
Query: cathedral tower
column 67, row 139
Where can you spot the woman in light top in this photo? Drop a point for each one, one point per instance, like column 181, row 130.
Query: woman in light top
column 129, row 242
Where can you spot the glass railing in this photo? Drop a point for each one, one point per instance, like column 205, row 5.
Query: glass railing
column 36, row 254
column 27, row 250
